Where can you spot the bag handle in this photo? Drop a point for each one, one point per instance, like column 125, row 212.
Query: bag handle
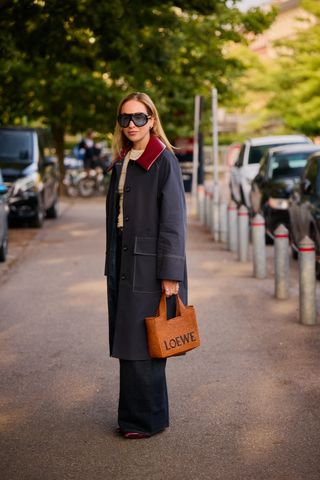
column 162, row 310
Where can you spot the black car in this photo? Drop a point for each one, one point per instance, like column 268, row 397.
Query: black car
column 30, row 171
column 304, row 208
column 3, row 221
column 280, row 169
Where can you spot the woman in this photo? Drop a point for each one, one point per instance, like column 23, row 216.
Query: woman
column 145, row 255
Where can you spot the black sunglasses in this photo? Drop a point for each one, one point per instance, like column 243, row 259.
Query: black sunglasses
column 139, row 119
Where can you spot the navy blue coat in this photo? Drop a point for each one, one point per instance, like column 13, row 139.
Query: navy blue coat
column 153, row 247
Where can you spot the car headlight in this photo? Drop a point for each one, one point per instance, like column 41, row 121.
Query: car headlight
column 278, row 203
column 26, row 184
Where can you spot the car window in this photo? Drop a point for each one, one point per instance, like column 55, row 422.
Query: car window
column 257, row 152
column 15, row 146
column 288, row 165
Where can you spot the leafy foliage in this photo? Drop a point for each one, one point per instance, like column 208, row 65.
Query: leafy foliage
column 66, row 64
column 297, row 83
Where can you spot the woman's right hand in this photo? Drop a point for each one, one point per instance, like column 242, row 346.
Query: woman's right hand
column 170, row 287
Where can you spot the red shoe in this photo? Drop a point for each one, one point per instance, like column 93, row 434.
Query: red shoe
column 135, row 435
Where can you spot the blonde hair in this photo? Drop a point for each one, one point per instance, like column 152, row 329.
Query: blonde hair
column 121, row 142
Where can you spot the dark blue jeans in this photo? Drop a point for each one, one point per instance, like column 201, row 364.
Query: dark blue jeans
column 143, row 401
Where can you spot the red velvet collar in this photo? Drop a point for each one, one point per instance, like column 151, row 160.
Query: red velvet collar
column 153, row 150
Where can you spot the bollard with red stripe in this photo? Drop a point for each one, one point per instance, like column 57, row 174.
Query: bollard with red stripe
column 307, row 282
column 258, row 229
column 281, row 262
column 232, row 227
column 243, row 234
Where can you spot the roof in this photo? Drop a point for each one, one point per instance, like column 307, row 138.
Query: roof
column 23, row 129
column 295, row 149
column 271, row 139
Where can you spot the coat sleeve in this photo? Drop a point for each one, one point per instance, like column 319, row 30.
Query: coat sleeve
column 172, row 225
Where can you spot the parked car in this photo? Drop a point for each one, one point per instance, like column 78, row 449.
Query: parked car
column 30, row 171
column 3, row 221
column 247, row 165
column 280, row 169
column 304, row 208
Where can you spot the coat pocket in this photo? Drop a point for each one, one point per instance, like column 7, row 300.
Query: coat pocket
column 145, row 266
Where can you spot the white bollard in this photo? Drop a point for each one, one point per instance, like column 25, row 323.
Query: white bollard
column 258, row 229
column 281, row 262
column 201, row 205
column 232, row 227
column 307, row 282
column 208, row 201
column 243, row 234
column 215, row 213
column 223, row 222
column 210, row 212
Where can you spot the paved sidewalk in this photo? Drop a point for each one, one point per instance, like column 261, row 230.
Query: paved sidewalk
column 245, row 406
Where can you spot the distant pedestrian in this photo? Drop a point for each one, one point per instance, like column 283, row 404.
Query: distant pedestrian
column 146, row 225
column 91, row 150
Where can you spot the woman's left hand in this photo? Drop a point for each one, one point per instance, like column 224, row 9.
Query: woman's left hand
column 170, row 287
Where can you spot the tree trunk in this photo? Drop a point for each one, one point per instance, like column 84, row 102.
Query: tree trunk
column 58, row 138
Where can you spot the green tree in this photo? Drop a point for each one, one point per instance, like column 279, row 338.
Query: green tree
column 296, row 81
column 66, row 64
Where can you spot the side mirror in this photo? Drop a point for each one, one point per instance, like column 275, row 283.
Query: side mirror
column 3, row 189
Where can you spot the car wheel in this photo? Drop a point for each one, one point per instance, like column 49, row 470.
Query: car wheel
column 37, row 221
column 53, row 211
column 4, row 247
column 269, row 239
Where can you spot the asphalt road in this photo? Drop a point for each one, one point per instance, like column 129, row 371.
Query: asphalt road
column 245, row 406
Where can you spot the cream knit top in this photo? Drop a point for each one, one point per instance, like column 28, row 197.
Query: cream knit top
column 131, row 155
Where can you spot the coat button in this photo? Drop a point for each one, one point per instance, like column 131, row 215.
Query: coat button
column 127, row 189
column 127, row 219
column 125, row 248
column 123, row 277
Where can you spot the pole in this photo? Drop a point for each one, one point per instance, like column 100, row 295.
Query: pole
column 216, row 193
column 195, row 161
column 215, row 136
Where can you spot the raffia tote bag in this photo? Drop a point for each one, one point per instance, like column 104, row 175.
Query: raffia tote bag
column 175, row 336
